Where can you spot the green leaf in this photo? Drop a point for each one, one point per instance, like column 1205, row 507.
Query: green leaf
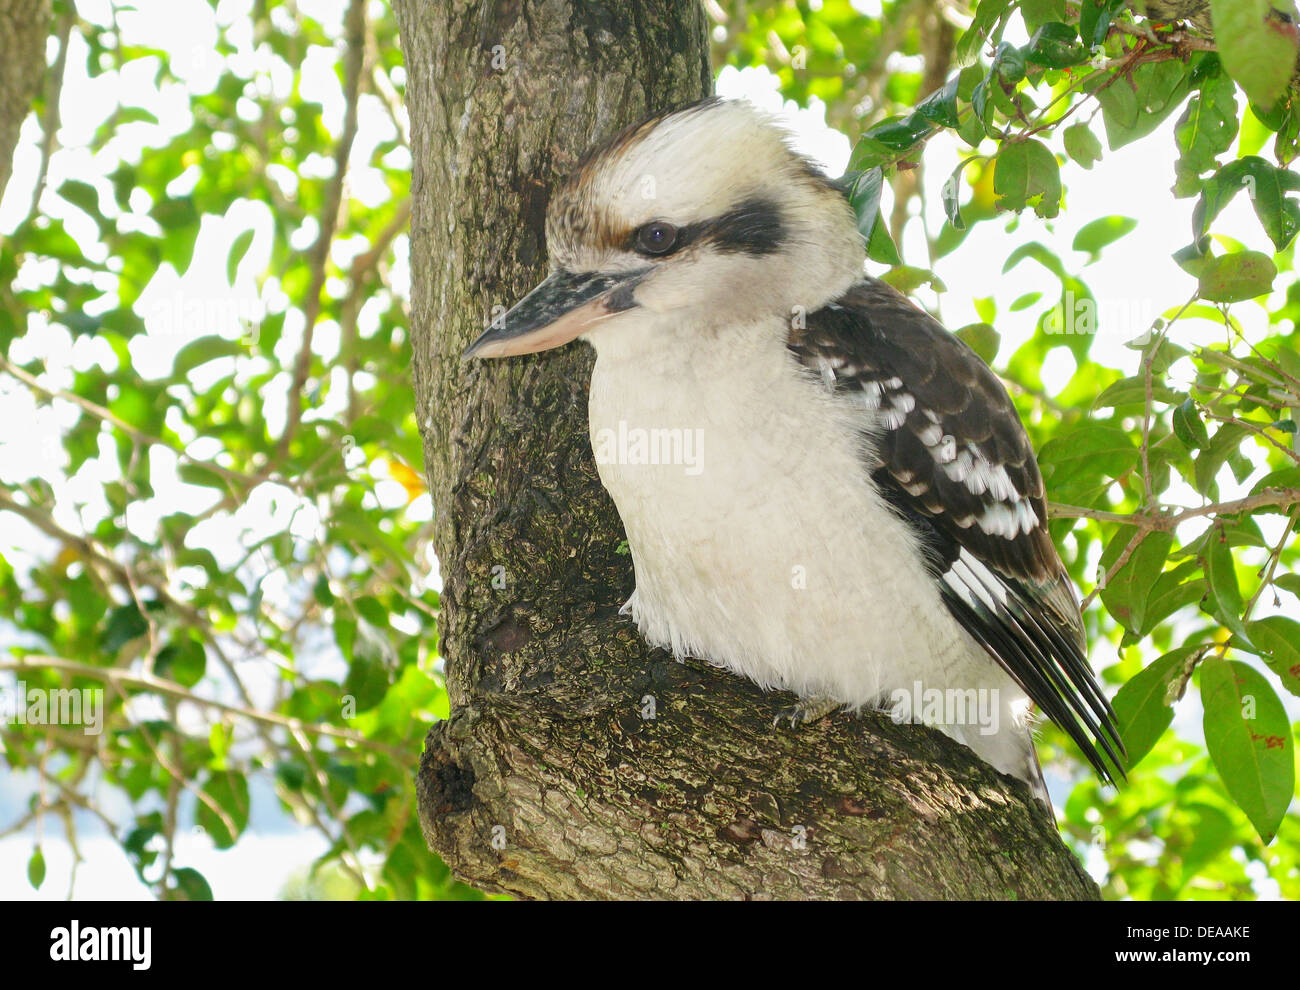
column 1248, row 735
column 1038, row 252
column 889, row 140
column 1097, row 234
column 1125, row 392
column 228, row 790
column 1289, row 582
column 1144, row 707
column 184, row 661
column 1236, row 277
column 1256, row 50
column 1225, row 602
column 83, row 196
column 982, row 339
column 321, row 591
column 1132, row 110
column 124, row 624
column 940, row 107
column 1173, row 591
column 865, row 198
column 1080, row 463
column 951, row 196
column 1095, row 18
column 1224, row 447
column 36, row 869
column 1027, row 174
column 908, row 278
column 201, row 351
column 1188, row 426
column 238, row 248
column 1082, row 145
column 1056, row 46
column 1205, row 131
column 198, row 474
column 135, row 115
column 972, row 129
column 1265, row 185
column 1125, row 594
column 1038, row 12
column 987, row 15
column 1279, row 637
column 291, row 775
column 880, row 247
column 864, row 195
column 370, row 609
column 179, row 220
column 191, row 885
column 369, row 673
column 1133, row 392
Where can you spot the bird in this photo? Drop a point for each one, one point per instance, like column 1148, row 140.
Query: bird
column 823, row 490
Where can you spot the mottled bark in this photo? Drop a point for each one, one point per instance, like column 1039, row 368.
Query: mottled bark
column 576, row 762
column 24, row 25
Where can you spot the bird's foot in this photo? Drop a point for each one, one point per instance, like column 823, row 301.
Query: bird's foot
column 806, row 710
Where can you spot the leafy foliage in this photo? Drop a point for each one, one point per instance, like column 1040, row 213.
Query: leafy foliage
column 1136, row 460
column 242, row 577
column 205, row 305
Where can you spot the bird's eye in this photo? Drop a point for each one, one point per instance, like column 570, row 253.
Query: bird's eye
column 656, row 237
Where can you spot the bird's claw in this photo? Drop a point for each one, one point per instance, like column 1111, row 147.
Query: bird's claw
column 805, row 711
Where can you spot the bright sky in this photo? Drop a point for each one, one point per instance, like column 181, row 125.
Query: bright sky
column 1135, row 280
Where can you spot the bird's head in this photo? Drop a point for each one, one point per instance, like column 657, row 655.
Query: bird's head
column 697, row 219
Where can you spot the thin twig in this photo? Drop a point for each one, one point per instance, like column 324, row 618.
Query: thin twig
column 1279, row 497
column 50, row 121
column 354, row 28
column 151, row 682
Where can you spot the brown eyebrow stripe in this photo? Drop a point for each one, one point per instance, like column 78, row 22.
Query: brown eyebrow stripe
column 628, row 137
column 601, row 230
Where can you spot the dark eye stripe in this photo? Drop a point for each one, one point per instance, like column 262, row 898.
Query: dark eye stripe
column 754, row 227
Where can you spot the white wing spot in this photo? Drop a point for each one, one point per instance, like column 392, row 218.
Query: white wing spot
column 893, row 417
column 999, row 519
column 947, row 449
column 871, row 396
column 959, row 468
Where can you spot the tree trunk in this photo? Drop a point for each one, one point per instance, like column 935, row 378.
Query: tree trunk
column 576, row 761
column 24, row 26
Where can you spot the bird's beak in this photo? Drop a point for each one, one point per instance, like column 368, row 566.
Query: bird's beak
column 563, row 307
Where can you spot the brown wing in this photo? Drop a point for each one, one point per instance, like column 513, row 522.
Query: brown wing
column 953, row 459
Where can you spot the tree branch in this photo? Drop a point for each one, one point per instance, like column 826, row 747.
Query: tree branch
column 121, row 678
column 576, row 761
column 354, row 29
column 1270, row 497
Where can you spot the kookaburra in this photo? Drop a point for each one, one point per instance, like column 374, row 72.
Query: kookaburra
column 862, row 521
